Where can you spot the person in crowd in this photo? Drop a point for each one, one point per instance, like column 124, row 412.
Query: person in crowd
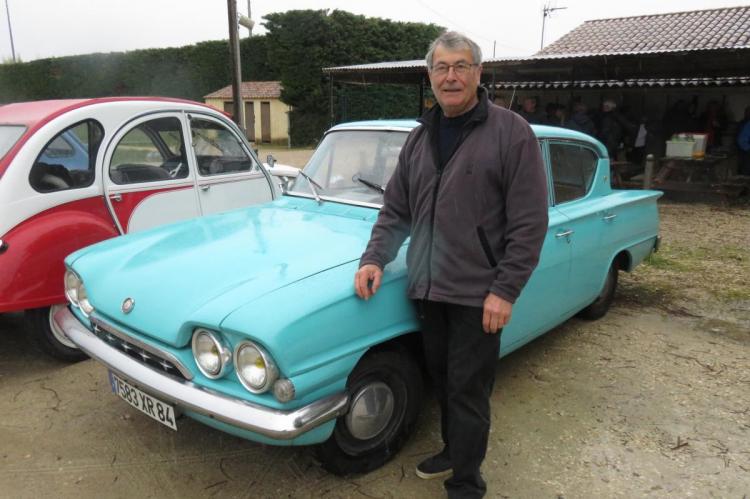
column 529, row 111
column 743, row 144
column 713, row 121
column 613, row 129
column 580, row 120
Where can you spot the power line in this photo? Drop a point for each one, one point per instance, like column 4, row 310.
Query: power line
column 465, row 29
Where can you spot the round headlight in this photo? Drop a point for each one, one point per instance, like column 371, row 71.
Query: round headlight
column 83, row 300
column 255, row 368
column 72, row 281
column 210, row 355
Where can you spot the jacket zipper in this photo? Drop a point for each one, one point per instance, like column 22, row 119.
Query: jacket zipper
column 432, row 233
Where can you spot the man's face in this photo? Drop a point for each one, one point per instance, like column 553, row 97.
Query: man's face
column 529, row 105
column 456, row 92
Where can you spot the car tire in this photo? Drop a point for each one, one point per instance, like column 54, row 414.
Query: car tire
column 391, row 383
column 599, row 307
column 47, row 336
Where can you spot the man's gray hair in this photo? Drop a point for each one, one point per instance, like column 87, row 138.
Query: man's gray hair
column 453, row 40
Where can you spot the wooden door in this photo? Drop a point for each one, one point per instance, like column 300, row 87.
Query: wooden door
column 265, row 121
column 250, row 121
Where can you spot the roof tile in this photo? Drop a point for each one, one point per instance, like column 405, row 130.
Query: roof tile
column 250, row 90
column 692, row 30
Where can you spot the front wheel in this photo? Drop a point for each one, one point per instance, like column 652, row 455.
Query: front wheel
column 599, row 307
column 48, row 337
column 385, row 392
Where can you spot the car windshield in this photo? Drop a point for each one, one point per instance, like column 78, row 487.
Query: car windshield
column 353, row 165
column 9, row 135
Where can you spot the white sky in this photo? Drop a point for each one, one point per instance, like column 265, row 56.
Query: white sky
column 50, row 28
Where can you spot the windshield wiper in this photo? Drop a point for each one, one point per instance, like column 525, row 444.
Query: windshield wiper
column 371, row 185
column 313, row 184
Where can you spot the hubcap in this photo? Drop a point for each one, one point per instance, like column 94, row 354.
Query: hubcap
column 56, row 332
column 370, row 411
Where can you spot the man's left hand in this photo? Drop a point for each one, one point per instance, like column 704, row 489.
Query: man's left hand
column 496, row 313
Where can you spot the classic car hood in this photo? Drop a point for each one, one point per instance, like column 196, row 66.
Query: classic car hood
column 201, row 270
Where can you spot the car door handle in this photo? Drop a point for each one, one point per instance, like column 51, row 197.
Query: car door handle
column 205, row 187
column 607, row 218
column 565, row 233
column 116, row 197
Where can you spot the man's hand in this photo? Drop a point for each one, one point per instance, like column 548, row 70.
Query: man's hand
column 496, row 313
column 362, row 278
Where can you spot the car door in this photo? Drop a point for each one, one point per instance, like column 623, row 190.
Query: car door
column 228, row 177
column 148, row 178
column 573, row 167
column 544, row 298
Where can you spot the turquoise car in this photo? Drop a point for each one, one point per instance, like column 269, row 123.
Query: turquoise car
column 247, row 321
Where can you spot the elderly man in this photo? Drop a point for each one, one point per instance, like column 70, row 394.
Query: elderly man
column 470, row 189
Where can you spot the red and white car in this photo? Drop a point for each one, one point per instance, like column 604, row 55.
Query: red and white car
column 75, row 172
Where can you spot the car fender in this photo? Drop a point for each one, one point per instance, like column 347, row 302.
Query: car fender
column 31, row 265
column 322, row 338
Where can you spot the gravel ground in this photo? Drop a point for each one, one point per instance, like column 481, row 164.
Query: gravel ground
column 651, row 401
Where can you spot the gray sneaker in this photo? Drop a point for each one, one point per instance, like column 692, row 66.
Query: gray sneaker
column 437, row 466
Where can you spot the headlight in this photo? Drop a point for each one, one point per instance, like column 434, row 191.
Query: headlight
column 72, row 281
column 83, row 300
column 255, row 368
column 210, row 354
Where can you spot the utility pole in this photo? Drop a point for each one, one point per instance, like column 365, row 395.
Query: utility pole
column 10, row 32
column 250, row 16
column 234, row 49
column 547, row 11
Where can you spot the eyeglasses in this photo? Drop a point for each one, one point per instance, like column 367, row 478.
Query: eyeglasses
column 460, row 68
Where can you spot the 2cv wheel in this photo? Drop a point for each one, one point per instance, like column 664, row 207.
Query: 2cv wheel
column 385, row 392
column 48, row 337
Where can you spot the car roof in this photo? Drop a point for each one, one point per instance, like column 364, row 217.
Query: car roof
column 541, row 131
column 35, row 114
column 375, row 124
column 32, row 113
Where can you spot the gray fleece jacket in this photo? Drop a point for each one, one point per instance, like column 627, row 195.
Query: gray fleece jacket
column 477, row 225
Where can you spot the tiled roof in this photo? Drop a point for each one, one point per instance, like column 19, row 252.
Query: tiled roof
column 250, row 90
column 727, row 28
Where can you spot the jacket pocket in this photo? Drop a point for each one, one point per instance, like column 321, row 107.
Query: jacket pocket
column 486, row 246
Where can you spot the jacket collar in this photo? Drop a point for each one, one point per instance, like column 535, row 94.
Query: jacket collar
column 431, row 118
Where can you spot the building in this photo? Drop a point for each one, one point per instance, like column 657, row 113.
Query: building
column 266, row 116
column 646, row 63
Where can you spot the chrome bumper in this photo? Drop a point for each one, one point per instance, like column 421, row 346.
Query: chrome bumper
column 272, row 423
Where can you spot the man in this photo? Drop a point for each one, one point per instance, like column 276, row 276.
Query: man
column 470, row 189
column 614, row 127
column 580, row 120
column 530, row 113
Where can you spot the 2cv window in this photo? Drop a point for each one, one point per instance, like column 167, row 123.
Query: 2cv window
column 217, row 149
column 68, row 161
column 573, row 169
column 153, row 150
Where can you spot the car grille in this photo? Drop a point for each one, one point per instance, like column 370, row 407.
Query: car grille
column 143, row 353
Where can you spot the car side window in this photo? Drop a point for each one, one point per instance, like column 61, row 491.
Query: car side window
column 217, row 149
column 151, row 151
column 573, row 168
column 68, row 161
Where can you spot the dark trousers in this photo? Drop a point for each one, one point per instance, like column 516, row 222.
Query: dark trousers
column 461, row 360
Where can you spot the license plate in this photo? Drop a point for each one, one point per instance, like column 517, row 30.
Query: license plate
column 148, row 405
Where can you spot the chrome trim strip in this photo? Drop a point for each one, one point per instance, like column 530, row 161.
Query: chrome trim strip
column 271, row 423
column 100, row 323
column 334, row 200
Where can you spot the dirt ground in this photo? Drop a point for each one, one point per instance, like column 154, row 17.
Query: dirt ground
column 651, row 401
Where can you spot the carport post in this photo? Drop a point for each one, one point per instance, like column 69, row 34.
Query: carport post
column 648, row 174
